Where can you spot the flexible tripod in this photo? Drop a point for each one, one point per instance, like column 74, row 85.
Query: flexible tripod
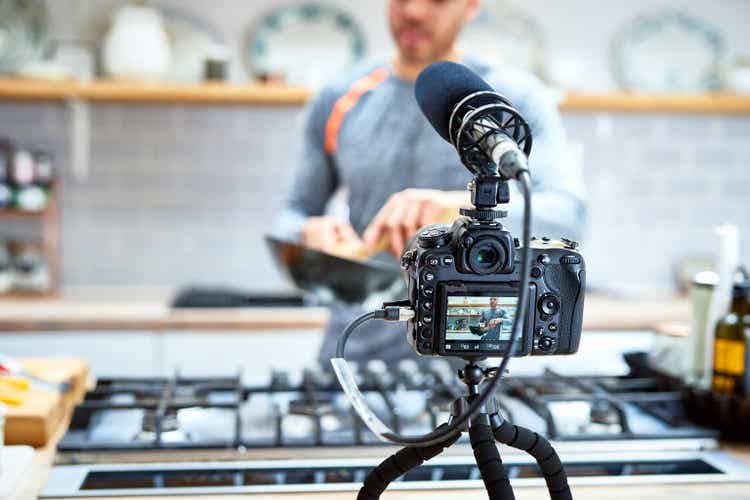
column 483, row 430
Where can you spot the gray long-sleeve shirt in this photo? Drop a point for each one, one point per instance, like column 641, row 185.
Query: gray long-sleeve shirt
column 385, row 145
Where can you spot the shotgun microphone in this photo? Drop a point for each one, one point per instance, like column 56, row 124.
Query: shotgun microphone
column 489, row 134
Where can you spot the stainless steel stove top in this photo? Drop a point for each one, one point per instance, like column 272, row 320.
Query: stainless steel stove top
column 609, row 429
column 221, row 413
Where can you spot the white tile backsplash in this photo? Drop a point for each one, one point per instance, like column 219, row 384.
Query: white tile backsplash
column 184, row 194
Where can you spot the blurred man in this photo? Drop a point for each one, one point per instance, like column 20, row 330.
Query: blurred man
column 365, row 132
column 491, row 320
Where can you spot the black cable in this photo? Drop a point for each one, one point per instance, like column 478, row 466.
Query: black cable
column 350, row 328
column 397, row 465
column 491, row 468
column 538, row 447
column 458, row 423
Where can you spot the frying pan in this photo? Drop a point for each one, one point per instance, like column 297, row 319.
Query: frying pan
column 336, row 279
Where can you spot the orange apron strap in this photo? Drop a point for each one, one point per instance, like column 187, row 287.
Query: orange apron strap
column 346, row 102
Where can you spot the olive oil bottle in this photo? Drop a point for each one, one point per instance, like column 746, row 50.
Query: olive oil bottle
column 731, row 374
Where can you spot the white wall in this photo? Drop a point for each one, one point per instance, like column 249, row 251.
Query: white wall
column 580, row 28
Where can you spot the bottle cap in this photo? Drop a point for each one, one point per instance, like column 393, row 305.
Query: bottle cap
column 741, row 287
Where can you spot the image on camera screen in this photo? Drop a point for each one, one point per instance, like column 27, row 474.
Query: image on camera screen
column 478, row 323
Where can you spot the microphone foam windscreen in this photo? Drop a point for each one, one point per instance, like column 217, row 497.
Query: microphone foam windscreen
column 442, row 85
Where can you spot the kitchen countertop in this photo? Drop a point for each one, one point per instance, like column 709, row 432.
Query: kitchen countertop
column 44, row 456
column 80, row 313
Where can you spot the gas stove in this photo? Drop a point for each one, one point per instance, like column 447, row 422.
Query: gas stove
column 131, row 435
column 178, row 413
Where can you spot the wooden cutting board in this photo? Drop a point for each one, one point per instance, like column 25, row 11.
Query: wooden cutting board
column 75, row 371
column 35, row 420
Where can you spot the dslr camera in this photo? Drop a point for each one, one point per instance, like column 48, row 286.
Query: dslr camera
column 463, row 283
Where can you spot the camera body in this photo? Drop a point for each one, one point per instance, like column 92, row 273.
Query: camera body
column 463, row 283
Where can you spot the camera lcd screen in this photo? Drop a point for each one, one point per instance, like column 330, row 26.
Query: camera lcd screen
column 480, row 322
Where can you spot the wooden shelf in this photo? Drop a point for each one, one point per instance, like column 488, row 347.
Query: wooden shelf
column 718, row 103
column 254, row 94
column 13, row 213
column 112, row 91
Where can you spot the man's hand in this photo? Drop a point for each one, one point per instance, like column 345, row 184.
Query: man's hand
column 494, row 322
column 407, row 211
column 331, row 235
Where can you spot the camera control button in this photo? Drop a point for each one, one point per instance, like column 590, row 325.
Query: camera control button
column 536, row 272
column 427, row 306
column 545, row 239
column 433, row 261
column 569, row 243
column 425, row 333
column 434, row 236
column 549, row 304
column 570, row 259
column 448, row 261
column 552, row 327
column 428, row 276
column 427, row 320
column 543, row 259
column 428, row 291
column 545, row 344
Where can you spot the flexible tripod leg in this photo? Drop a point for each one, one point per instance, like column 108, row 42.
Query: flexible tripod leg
column 488, row 459
column 538, row 447
column 396, row 465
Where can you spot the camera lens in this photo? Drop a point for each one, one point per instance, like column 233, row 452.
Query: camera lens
column 486, row 256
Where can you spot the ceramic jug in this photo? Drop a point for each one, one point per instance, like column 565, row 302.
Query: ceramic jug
column 137, row 46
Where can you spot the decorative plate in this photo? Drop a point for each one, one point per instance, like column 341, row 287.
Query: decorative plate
column 500, row 34
column 305, row 44
column 22, row 29
column 668, row 52
column 193, row 41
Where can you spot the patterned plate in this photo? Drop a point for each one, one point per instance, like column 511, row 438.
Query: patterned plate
column 22, row 29
column 499, row 34
column 306, row 44
column 668, row 52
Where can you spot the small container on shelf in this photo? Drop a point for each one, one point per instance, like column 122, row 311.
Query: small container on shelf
column 30, row 269
column 22, row 168
column 6, row 272
column 6, row 194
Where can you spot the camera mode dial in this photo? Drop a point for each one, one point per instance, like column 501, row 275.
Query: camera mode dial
column 434, row 236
